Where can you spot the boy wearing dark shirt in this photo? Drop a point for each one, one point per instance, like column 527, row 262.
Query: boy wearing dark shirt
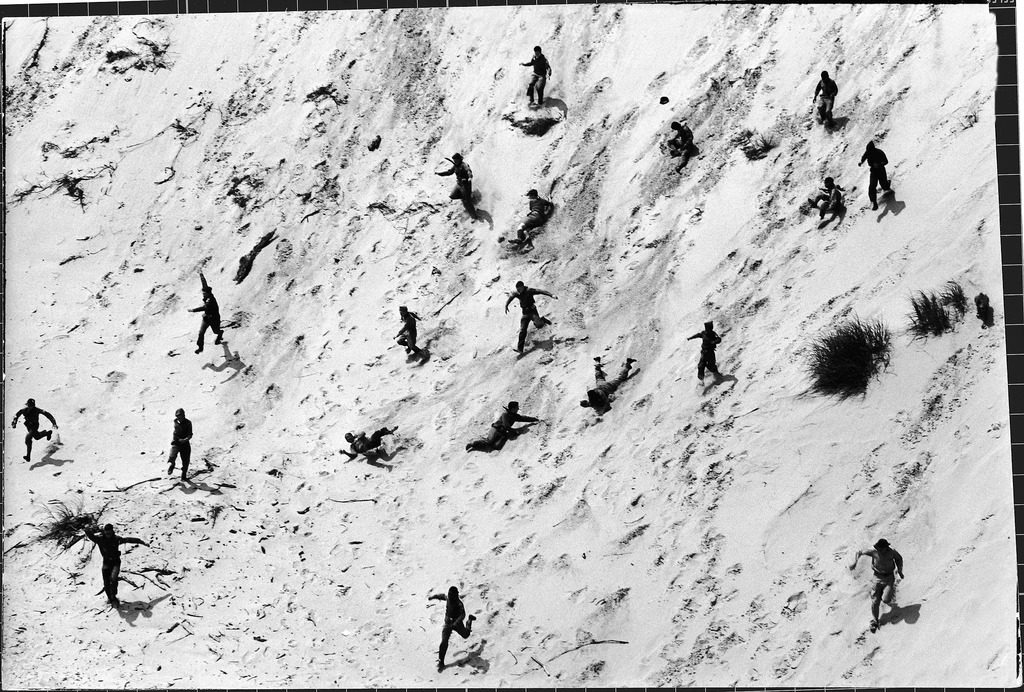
column 709, row 339
column 31, row 414
column 876, row 163
column 407, row 335
column 211, row 315
column 109, row 545
column 600, row 397
column 541, row 72
column 454, row 614
column 828, row 90
column 682, row 144
column 527, row 302
column 463, row 183
column 502, row 429
column 540, row 211
column 361, row 444
column 181, row 443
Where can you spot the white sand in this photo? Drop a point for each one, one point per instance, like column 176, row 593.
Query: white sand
column 711, row 529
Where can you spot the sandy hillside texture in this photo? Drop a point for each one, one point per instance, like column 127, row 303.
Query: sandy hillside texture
column 708, row 527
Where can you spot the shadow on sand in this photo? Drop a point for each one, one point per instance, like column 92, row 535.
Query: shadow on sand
column 474, row 659
column 48, row 460
column 375, row 456
column 542, row 345
column 719, row 380
column 418, row 359
column 890, row 205
column 231, row 360
column 908, row 614
column 131, row 610
column 839, row 215
column 473, row 207
column 837, row 123
column 189, row 486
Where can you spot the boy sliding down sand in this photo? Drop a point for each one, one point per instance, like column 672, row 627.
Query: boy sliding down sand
column 682, row 144
column 541, row 72
column 600, row 397
column 361, row 444
column 829, row 200
column 540, row 212
column 502, row 429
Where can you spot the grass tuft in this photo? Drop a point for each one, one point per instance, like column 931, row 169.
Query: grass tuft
column 843, row 361
column 934, row 314
column 66, row 522
column 954, row 297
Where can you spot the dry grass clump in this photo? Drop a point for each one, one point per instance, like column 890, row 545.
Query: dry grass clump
column 934, row 314
column 66, row 522
column 843, row 361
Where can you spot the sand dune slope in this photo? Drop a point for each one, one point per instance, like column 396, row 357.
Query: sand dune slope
column 697, row 534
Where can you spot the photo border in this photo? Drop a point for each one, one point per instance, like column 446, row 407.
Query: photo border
column 1007, row 131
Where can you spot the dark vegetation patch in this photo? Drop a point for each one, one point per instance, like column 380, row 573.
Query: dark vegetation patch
column 843, row 361
column 934, row 314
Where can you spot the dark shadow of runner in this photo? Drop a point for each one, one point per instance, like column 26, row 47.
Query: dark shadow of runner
column 189, row 486
column 230, row 361
column 719, row 380
column 130, row 610
column 837, row 123
column 890, row 205
column 908, row 614
column 48, row 460
column 474, row 659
